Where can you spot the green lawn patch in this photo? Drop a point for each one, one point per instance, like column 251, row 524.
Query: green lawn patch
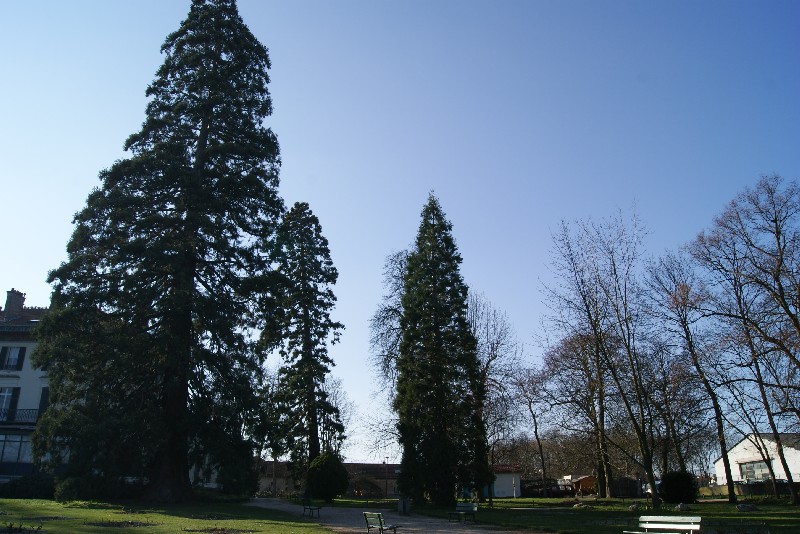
column 28, row 515
column 612, row 516
column 365, row 503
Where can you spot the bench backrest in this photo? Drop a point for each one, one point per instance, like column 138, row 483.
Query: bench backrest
column 373, row 519
column 466, row 507
column 669, row 522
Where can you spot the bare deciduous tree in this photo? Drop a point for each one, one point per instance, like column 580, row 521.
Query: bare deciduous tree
column 678, row 298
column 385, row 332
column 599, row 297
column 752, row 256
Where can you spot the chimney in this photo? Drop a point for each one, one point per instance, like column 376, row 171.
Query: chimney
column 15, row 301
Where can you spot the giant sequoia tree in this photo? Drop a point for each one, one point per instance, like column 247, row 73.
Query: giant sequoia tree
column 440, row 394
column 308, row 274
column 153, row 305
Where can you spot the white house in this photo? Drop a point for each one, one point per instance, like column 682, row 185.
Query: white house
column 23, row 388
column 749, row 458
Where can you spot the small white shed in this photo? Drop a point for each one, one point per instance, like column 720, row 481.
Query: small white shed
column 507, row 480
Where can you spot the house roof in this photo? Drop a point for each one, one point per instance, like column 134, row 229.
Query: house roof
column 788, row 439
column 380, row 470
column 506, row 468
column 20, row 323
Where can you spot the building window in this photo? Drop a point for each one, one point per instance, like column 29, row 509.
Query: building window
column 11, row 358
column 15, row 448
column 8, row 403
column 754, row 470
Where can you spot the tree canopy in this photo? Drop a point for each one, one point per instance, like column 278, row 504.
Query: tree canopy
column 167, row 262
column 304, row 324
column 440, row 395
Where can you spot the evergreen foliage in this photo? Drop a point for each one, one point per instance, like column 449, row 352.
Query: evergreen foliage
column 327, row 477
column 440, row 396
column 272, row 423
column 304, row 324
column 237, row 474
column 152, row 310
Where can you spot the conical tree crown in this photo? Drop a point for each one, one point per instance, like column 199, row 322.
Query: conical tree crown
column 304, row 261
column 211, row 91
column 435, row 296
column 437, row 366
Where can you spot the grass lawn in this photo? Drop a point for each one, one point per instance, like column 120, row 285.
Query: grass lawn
column 211, row 518
column 607, row 516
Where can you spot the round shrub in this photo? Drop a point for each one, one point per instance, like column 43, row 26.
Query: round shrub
column 327, row 477
column 72, row 489
column 678, row 487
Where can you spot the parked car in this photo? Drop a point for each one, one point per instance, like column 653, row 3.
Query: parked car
column 555, row 490
column 562, row 490
column 549, row 488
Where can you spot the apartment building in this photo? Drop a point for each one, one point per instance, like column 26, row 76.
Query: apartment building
column 23, row 388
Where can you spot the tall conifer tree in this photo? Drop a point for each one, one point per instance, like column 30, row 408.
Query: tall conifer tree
column 171, row 251
column 439, row 392
column 303, row 259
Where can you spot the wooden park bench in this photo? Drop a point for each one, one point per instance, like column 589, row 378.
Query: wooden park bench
column 671, row 524
column 463, row 510
column 310, row 507
column 375, row 520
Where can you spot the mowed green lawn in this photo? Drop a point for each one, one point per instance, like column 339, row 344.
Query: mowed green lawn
column 539, row 515
column 607, row 516
column 91, row 517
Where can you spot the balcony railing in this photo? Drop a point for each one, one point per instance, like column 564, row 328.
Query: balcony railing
column 18, row 416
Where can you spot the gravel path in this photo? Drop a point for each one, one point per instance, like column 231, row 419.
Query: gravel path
column 347, row 520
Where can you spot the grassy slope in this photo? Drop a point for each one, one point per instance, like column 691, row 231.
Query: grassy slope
column 84, row 517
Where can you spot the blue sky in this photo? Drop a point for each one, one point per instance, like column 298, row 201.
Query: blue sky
column 517, row 114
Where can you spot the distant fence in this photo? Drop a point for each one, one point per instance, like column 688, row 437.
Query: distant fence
column 762, row 487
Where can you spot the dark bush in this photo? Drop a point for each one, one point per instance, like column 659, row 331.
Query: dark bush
column 84, row 488
column 37, row 486
column 678, row 487
column 238, row 478
column 327, row 477
column 73, row 489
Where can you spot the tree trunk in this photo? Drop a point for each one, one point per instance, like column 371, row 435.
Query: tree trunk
column 723, row 447
column 724, row 450
column 795, row 498
column 170, row 478
column 605, row 490
column 542, row 463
